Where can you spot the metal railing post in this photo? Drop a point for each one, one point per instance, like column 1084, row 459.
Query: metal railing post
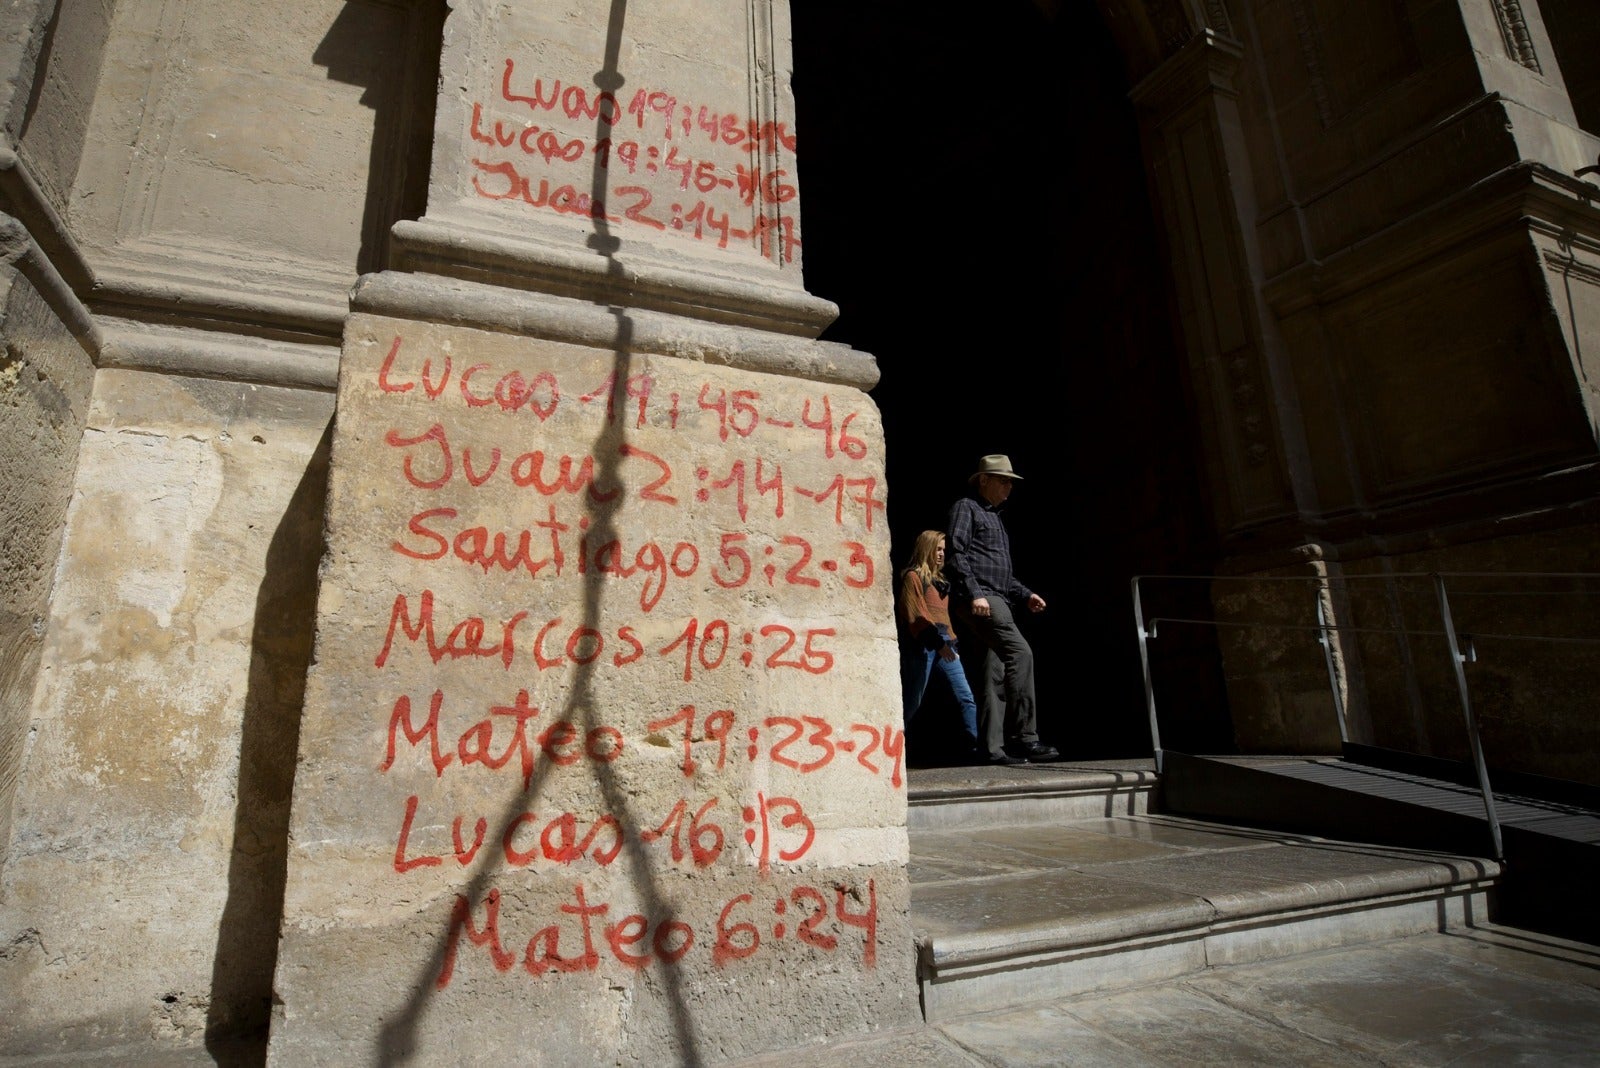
column 1457, row 660
column 1149, row 685
column 1325, row 639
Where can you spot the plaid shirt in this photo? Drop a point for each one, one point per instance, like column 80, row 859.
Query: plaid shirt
column 977, row 553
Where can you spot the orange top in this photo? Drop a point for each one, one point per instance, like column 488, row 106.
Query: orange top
column 924, row 607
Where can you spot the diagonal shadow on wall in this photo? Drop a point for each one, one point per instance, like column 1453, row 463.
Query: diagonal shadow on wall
column 280, row 652
column 398, row 1042
column 390, row 52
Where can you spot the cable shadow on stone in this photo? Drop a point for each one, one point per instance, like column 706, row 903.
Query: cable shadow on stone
column 399, row 1038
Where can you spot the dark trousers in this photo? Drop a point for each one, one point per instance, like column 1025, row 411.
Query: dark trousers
column 1008, row 713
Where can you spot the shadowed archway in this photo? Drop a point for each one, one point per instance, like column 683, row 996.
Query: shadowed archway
column 976, row 200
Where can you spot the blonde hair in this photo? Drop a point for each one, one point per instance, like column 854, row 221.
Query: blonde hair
column 925, row 557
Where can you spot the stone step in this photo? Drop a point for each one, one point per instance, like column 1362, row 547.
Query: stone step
column 970, row 798
column 1551, row 847
column 1009, row 914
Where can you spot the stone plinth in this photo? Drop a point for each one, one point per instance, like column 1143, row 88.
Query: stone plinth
column 601, row 752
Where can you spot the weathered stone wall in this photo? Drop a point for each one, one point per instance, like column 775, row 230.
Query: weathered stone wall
column 23, row 26
column 49, row 121
column 200, row 175
column 601, row 756
column 1277, row 679
column 1525, row 677
column 249, row 157
column 140, row 897
column 45, row 378
column 1480, row 320
column 47, row 62
column 1531, row 640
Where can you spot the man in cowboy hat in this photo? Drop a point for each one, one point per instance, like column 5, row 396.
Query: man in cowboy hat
column 984, row 591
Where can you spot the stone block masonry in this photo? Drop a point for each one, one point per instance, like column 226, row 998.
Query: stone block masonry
column 601, row 757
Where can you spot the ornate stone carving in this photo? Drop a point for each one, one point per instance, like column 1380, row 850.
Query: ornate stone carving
column 1514, row 29
column 1217, row 17
column 1305, row 29
column 1170, row 22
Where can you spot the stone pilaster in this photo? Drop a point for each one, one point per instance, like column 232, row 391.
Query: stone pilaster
column 601, row 756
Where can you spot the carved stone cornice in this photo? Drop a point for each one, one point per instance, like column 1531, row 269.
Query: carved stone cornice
column 1512, row 506
column 1218, row 18
column 19, row 250
column 457, row 302
column 1171, row 23
column 1207, row 64
column 131, row 315
column 194, row 353
column 165, row 290
column 1528, row 194
column 34, row 238
column 459, row 248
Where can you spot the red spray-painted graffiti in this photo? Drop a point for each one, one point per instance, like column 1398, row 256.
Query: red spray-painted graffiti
column 808, row 915
column 732, row 414
column 735, row 520
column 662, row 148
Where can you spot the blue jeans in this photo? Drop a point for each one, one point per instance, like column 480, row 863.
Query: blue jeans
column 914, row 675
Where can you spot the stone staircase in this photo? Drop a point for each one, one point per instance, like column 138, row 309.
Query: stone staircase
column 1040, row 882
column 1550, row 828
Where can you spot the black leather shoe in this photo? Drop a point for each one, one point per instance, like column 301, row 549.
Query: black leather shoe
column 1004, row 760
column 1039, row 751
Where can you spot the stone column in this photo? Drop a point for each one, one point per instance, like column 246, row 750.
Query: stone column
column 601, row 752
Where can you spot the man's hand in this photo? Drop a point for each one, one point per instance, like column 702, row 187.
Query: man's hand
column 947, row 652
column 1035, row 603
column 980, row 607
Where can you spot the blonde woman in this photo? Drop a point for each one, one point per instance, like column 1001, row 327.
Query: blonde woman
column 924, row 609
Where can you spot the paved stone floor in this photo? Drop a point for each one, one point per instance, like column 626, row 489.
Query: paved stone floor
column 1490, row 996
column 1487, row 996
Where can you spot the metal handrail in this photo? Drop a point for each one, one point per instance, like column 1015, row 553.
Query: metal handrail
column 1377, row 577
column 1457, row 661
column 1348, row 628
column 1325, row 639
column 1149, row 684
column 1461, row 646
column 1156, row 621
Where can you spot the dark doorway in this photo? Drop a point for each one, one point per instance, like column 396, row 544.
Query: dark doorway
column 975, row 199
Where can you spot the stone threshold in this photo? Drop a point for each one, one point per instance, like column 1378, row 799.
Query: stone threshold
column 1010, row 915
column 950, row 798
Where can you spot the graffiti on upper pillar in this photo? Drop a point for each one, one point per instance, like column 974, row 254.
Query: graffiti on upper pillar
column 737, row 523
column 645, row 158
